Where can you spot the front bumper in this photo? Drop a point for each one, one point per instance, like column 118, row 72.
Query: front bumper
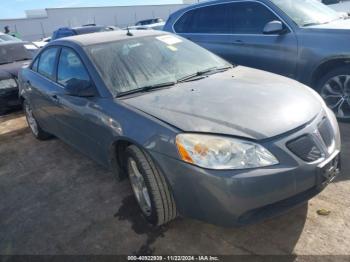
column 9, row 99
column 238, row 197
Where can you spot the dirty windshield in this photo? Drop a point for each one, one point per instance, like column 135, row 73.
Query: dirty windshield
column 146, row 61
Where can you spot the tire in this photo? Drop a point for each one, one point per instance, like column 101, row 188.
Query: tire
column 334, row 87
column 160, row 207
column 34, row 126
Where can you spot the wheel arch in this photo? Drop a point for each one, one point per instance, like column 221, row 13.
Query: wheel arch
column 118, row 161
column 325, row 66
column 117, row 156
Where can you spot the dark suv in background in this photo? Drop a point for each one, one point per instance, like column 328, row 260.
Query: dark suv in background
column 82, row 30
column 301, row 39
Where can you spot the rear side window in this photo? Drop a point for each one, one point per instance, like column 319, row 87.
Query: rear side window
column 250, row 17
column 235, row 18
column 47, row 62
column 71, row 69
column 213, row 19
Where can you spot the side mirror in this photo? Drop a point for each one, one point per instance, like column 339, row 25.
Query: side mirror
column 81, row 88
column 274, row 27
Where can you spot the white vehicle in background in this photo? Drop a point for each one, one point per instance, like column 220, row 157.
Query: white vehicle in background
column 341, row 6
column 31, row 47
column 6, row 37
column 42, row 42
column 155, row 26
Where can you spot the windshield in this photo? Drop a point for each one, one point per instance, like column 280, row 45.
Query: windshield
column 307, row 12
column 12, row 53
column 139, row 62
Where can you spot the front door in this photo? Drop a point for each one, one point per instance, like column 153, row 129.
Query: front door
column 78, row 116
column 276, row 53
column 234, row 31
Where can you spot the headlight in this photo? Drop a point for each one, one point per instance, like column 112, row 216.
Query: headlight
column 8, row 83
column 216, row 152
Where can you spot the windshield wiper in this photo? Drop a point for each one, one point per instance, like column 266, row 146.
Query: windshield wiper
column 146, row 88
column 311, row 24
column 208, row 71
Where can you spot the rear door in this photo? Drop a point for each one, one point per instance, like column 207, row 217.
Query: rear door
column 43, row 89
column 251, row 47
column 208, row 26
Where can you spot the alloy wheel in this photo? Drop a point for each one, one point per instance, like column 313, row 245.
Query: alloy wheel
column 139, row 187
column 336, row 93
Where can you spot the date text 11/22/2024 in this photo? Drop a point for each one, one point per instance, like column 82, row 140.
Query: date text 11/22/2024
column 173, row 258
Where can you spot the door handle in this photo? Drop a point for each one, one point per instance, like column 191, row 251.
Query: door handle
column 238, row 42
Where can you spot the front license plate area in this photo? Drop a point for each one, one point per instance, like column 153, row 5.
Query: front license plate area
column 329, row 171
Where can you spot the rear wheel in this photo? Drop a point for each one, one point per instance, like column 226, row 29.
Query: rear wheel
column 37, row 131
column 151, row 191
column 334, row 87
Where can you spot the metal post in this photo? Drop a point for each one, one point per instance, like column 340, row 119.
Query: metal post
column 42, row 30
column 115, row 20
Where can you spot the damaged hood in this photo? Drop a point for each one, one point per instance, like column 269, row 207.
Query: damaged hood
column 240, row 102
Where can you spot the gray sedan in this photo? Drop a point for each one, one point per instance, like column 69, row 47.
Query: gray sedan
column 195, row 135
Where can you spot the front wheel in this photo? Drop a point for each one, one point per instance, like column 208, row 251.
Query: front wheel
column 150, row 188
column 334, row 88
column 37, row 131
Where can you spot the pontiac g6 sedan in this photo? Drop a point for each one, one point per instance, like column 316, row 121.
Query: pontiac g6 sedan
column 195, row 135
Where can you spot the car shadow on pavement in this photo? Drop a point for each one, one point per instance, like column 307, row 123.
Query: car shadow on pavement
column 186, row 236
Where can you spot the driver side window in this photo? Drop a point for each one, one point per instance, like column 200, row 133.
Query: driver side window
column 71, row 70
column 250, row 17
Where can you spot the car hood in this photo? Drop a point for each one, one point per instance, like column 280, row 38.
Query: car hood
column 240, row 102
column 13, row 68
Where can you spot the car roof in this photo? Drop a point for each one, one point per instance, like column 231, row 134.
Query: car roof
column 109, row 36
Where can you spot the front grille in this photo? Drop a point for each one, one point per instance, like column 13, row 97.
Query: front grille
column 305, row 148
column 326, row 132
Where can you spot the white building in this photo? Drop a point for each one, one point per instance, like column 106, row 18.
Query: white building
column 41, row 23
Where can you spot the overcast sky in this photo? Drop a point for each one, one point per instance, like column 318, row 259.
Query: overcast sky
column 16, row 8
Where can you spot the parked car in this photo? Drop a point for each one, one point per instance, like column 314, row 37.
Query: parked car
column 13, row 56
column 338, row 5
column 195, row 135
column 301, row 39
column 6, row 37
column 42, row 42
column 87, row 29
column 158, row 26
column 149, row 21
